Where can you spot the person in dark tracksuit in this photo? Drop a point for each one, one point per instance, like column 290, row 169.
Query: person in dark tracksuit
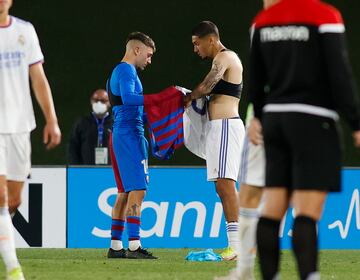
column 300, row 76
column 89, row 137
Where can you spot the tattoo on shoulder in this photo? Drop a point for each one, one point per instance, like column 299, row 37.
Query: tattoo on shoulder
column 215, row 74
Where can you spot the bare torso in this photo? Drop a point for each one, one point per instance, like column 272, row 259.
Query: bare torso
column 225, row 106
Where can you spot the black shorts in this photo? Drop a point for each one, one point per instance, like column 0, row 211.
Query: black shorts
column 302, row 151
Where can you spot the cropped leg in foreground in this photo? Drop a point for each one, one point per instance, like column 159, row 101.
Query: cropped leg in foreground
column 308, row 207
column 250, row 197
column 7, row 242
column 14, row 168
column 252, row 179
column 309, row 167
column 267, row 234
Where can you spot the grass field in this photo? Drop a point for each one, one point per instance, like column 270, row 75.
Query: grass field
column 91, row 264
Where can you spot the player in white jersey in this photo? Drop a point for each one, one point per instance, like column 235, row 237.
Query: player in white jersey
column 252, row 180
column 20, row 58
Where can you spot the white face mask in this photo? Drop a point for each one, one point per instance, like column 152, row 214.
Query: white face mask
column 99, row 108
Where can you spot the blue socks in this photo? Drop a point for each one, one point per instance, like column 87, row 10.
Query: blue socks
column 133, row 229
column 117, row 229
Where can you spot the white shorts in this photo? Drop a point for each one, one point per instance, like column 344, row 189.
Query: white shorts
column 224, row 143
column 15, row 153
column 252, row 170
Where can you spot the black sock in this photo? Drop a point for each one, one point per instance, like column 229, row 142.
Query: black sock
column 267, row 236
column 305, row 245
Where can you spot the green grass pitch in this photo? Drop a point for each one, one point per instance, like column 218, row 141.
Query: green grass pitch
column 56, row 264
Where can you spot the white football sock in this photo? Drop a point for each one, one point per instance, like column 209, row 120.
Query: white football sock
column 247, row 232
column 232, row 230
column 134, row 245
column 314, row 276
column 7, row 242
column 116, row 245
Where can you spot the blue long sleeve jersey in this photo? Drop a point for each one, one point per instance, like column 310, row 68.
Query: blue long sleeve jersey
column 124, row 82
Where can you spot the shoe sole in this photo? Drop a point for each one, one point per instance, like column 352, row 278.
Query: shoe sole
column 136, row 258
column 109, row 257
column 232, row 258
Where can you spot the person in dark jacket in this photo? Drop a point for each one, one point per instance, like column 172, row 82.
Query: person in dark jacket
column 89, row 137
column 300, row 77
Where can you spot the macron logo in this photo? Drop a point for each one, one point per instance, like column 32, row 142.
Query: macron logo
column 284, row 33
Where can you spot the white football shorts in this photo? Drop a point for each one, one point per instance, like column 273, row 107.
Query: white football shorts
column 252, row 171
column 224, row 141
column 15, row 153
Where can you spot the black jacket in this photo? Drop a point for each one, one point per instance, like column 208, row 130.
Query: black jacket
column 298, row 56
column 84, row 138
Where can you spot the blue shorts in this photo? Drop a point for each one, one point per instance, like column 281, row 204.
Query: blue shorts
column 131, row 154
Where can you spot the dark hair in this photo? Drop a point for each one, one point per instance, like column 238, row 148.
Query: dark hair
column 97, row 91
column 143, row 38
column 205, row 28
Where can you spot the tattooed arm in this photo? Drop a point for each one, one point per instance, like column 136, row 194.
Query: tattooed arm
column 217, row 71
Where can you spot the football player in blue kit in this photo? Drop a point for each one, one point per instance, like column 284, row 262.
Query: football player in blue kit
column 129, row 148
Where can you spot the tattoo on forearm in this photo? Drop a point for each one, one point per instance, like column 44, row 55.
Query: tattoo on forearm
column 133, row 210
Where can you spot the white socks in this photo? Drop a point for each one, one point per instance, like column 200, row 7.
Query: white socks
column 314, row 276
column 232, row 230
column 134, row 245
column 116, row 245
column 7, row 242
column 247, row 232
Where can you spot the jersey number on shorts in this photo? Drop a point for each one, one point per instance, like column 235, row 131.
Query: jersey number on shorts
column 146, row 169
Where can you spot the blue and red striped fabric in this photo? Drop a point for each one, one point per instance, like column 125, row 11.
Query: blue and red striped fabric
column 164, row 112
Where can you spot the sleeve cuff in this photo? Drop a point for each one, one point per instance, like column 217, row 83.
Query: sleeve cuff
column 36, row 62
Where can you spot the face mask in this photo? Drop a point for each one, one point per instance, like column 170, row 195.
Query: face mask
column 99, row 108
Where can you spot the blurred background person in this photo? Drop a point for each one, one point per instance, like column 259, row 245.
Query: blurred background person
column 300, row 78
column 89, row 137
